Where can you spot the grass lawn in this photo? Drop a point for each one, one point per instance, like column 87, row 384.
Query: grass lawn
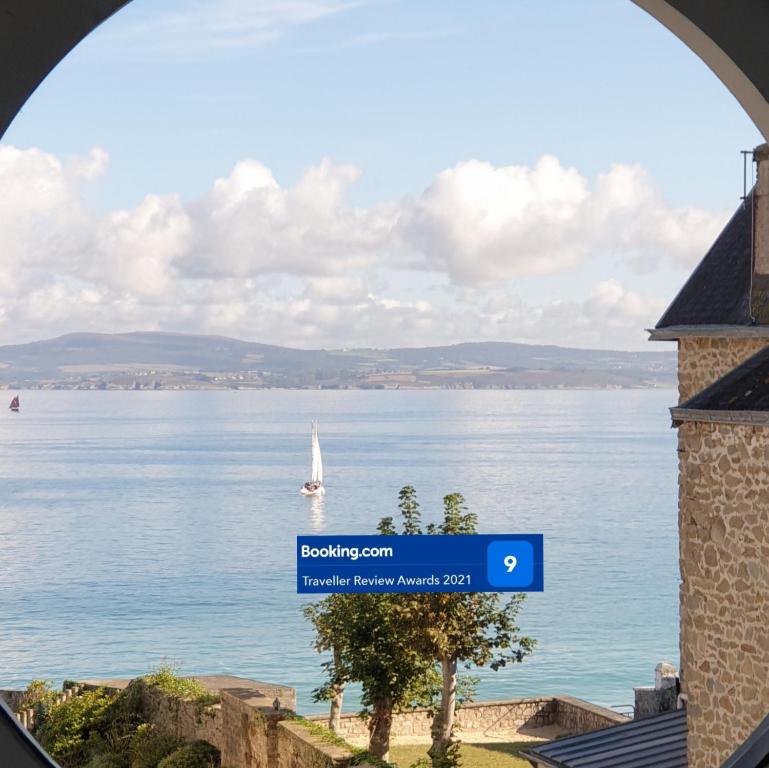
column 494, row 755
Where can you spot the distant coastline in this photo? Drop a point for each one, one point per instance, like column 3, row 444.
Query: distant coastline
column 166, row 361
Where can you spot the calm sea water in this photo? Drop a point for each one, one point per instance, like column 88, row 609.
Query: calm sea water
column 142, row 526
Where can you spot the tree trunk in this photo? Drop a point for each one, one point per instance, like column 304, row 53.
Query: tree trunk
column 379, row 729
column 337, row 696
column 443, row 723
column 335, row 715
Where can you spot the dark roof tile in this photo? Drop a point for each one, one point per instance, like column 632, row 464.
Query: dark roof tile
column 745, row 388
column 718, row 291
column 653, row 742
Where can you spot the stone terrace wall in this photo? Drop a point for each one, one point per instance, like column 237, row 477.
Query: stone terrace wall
column 298, row 748
column 11, row 697
column 187, row 720
column 249, row 737
column 490, row 717
column 703, row 360
column 261, row 738
column 577, row 716
column 724, row 548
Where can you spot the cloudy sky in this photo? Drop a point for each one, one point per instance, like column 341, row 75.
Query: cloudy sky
column 337, row 173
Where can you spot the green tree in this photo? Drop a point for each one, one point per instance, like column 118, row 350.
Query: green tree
column 330, row 618
column 453, row 628
column 369, row 647
column 394, row 644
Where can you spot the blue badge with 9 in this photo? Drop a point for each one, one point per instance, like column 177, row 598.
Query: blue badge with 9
column 510, row 564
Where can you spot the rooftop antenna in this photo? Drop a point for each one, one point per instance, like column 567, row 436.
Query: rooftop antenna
column 745, row 153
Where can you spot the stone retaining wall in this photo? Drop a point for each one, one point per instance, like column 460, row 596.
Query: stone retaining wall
column 12, row 697
column 490, row 717
column 185, row 719
column 299, row 748
column 578, row 716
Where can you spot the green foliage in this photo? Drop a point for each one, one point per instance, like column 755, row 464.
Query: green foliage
column 386, row 527
column 105, row 760
column 40, row 697
column 149, row 745
column 113, row 733
column 393, row 643
column 364, row 632
column 99, row 730
column 197, row 754
column 37, row 692
column 409, row 508
column 69, row 727
column 167, row 679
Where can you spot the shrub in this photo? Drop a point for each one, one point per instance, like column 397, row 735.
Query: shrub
column 166, row 678
column 197, row 754
column 69, row 727
column 37, row 692
column 149, row 745
column 113, row 731
column 105, row 760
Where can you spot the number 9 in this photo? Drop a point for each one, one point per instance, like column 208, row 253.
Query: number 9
column 510, row 562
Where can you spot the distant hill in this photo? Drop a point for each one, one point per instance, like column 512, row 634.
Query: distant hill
column 182, row 361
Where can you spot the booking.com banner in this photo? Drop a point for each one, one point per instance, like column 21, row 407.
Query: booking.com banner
column 479, row 563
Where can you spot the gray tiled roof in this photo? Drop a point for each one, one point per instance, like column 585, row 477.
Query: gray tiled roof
column 653, row 742
column 718, row 291
column 17, row 747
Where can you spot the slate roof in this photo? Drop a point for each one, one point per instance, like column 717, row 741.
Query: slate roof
column 17, row 747
column 742, row 395
column 653, row 742
column 718, row 291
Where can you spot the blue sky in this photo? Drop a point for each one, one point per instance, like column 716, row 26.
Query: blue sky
column 397, row 99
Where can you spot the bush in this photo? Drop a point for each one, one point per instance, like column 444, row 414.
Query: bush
column 198, row 754
column 166, row 678
column 105, row 760
column 150, row 745
column 68, row 729
column 37, row 692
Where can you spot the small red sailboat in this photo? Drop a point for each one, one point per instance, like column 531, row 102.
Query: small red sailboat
column 14, row 406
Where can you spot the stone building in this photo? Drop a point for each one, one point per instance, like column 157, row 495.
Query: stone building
column 720, row 320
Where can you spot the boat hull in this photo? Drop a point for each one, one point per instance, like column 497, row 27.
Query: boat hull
column 317, row 492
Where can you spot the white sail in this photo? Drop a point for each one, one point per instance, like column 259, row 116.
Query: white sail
column 317, row 461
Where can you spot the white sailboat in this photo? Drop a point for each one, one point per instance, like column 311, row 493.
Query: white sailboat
column 315, row 486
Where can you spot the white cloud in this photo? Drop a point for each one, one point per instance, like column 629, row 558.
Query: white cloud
column 219, row 26
column 480, row 223
column 300, row 265
column 249, row 225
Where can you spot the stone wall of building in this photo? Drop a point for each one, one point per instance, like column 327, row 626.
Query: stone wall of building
column 491, row 717
column 701, row 361
column 724, row 561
